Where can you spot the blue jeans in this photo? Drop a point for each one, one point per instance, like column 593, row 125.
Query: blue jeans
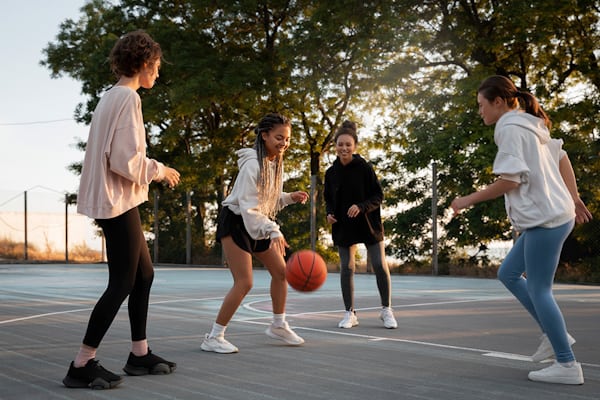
column 536, row 253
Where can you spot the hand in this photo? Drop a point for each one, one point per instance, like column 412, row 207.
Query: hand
column 331, row 219
column 582, row 214
column 353, row 211
column 171, row 177
column 279, row 244
column 299, row 197
column 458, row 204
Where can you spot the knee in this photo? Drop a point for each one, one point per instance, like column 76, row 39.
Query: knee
column 506, row 276
column 346, row 270
column 120, row 291
column 381, row 269
column 502, row 275
column 244, row 286
column 146, row 280
column 278, row 274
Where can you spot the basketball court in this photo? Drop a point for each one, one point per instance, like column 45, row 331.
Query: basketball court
column 458, row 338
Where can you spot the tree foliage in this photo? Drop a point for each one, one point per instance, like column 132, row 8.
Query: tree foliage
column 546, row 47
column 415, row 65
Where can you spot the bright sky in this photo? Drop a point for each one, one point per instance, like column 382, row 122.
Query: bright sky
column 37, row 130
column 34, row 151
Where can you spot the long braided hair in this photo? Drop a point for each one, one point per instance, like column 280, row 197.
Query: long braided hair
column 271, row 172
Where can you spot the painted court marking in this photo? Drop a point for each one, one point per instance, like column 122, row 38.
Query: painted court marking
column 266, row 314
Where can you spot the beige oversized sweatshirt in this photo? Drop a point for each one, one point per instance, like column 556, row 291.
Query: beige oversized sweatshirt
column 116, row 172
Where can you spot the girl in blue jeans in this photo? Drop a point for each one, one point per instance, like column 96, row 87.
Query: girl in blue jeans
column 540, row 192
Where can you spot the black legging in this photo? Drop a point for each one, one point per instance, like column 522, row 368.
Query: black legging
column 382, row 273
column 130, row 273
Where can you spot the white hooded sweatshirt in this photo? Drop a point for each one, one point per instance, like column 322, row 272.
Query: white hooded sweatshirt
column 243, row 199
column 528, row 155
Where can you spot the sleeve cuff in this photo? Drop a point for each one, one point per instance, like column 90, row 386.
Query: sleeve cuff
column 511, row 177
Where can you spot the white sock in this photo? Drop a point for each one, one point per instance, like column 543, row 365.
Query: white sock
column 217, row 330
column 278, row 319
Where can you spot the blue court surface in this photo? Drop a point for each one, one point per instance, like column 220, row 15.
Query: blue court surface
column 458, row 338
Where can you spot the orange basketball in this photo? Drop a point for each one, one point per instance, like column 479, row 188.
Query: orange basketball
column 305, row 271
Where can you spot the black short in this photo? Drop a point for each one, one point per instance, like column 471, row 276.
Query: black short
column 231, row 224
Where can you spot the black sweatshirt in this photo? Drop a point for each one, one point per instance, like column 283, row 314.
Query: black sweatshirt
column 354, row 183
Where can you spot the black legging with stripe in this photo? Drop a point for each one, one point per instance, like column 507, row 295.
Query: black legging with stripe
column 382, row 273
column 130, row 273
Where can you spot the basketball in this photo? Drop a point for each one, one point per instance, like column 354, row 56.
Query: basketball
column 305, row 271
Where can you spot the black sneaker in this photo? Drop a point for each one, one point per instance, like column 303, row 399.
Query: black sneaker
column 92, row 375
column 148, row 364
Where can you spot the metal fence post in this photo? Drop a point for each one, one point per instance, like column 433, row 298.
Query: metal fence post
column 25, row 214
column 155, row 226
column 188, row 225
column 434, row 238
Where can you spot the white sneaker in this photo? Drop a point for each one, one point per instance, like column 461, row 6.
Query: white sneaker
column 557, row 373
column 545, row 350
column 387, row 316
column 349, row 320
column 218, row 344
column 285, row 333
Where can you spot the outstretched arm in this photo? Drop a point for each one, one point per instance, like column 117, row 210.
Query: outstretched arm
column 496, row 189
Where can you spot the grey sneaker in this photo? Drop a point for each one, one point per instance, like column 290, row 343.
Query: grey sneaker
column 557, row 373
column 349, row 320
column 285, row 333
column 545, row 350
column 218, row 344
column 387, row 316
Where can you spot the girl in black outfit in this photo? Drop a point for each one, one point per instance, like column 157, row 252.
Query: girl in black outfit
column 353, row 197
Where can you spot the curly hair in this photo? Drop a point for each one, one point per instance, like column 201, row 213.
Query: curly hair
column 132, row 51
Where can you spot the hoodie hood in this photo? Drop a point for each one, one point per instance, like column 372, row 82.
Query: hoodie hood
column 526, row 121
column 245, row 155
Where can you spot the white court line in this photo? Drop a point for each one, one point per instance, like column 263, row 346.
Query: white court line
column 254, row 320
column 249, row 306
column 8, row 321
column 483, row 352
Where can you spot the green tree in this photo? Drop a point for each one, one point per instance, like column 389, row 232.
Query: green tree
column 225, row 66
column 414, row 64
column 547, row 47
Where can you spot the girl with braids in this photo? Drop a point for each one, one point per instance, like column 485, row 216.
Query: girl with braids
column 543, row 204
column 246, row 227
column 114, row 181
column 353, row 197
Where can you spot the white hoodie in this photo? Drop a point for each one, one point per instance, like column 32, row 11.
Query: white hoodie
column 528, row 155
column 243, row 199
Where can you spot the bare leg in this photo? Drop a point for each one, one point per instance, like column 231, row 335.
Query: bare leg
column 275, row 264
column 240, row 266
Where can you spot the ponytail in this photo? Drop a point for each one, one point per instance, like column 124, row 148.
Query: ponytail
column 500, row 86
column 532, row 106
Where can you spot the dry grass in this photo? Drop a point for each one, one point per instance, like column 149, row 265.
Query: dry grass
column 78, row 253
